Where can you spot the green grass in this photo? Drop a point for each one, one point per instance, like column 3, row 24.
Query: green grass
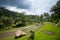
column 10, row 30
column 39, row 35
column 13, row 38
column 50, row 27
column 13, row 29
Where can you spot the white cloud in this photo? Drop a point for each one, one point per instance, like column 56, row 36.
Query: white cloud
column 41, row 6
column 37, row 7
column 15, row 9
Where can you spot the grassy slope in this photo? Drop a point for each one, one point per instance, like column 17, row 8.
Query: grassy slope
column 40, row 35
column 32, row 27
column 12, row 38
column 51, row 27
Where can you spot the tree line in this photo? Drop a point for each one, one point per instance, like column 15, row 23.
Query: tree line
column 10, row 19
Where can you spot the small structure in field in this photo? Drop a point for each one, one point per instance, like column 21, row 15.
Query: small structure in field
column 19, row 33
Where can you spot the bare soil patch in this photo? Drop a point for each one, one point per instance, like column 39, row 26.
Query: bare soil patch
column 48, row 32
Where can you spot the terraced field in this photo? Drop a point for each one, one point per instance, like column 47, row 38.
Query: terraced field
column 46, row 31
column 7, row 34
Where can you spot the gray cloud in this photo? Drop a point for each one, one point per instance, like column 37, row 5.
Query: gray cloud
column 29, row 6
column 18, row 3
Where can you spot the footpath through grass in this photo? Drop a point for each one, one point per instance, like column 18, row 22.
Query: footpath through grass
column 15, row 29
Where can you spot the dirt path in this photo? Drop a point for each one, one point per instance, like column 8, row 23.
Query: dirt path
column 26, row 29
column 6, row 34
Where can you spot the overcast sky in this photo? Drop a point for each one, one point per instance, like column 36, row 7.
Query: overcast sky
column 35, row 7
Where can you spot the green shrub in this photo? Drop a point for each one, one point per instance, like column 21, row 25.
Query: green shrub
column 58, row 24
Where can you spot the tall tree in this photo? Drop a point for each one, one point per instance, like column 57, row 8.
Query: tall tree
column 46, row 16
column 41, row 17
column 56, row 10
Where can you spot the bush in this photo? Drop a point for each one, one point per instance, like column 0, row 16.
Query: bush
column 58, row 24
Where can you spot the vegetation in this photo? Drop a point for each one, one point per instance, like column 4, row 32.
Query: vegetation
column 39, row 35
column 50, row 27
column 11, row 21
column 56, row 9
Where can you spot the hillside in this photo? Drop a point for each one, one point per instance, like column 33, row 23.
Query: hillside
column 48, row 32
